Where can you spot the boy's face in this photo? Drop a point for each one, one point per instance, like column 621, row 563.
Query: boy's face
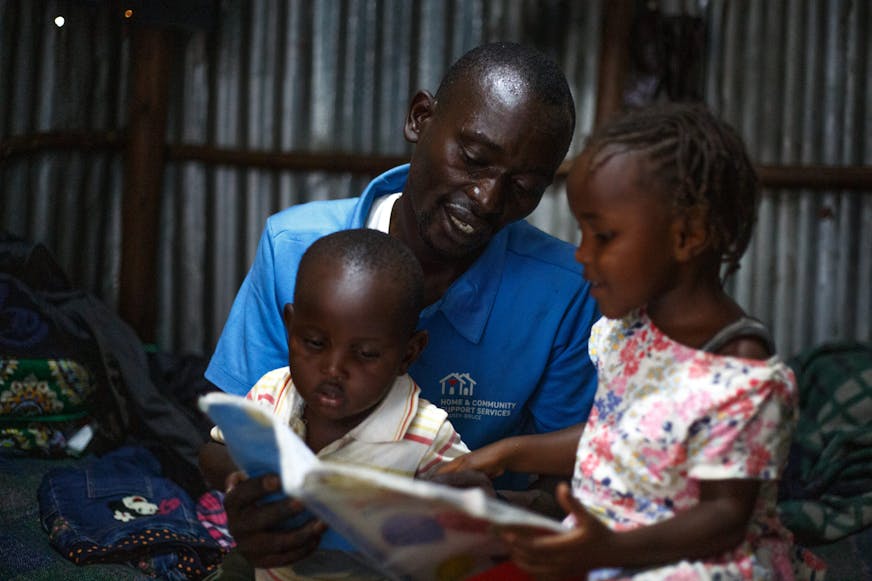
column 481, row 161
column 346, row 346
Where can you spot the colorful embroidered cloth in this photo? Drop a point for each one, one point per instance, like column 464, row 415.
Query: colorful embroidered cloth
column 42, row 402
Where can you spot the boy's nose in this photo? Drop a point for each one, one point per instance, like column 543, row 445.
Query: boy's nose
column 333, row 364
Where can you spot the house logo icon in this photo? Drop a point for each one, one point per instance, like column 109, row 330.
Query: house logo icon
column 457, row 384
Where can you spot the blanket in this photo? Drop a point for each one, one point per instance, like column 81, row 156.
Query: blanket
column 826, row 491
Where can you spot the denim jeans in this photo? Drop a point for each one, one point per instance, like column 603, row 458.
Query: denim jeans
column 120, row 509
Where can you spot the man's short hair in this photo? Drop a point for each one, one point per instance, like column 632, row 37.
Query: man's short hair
column 541, row 75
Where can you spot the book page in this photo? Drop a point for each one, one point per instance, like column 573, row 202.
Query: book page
column 414, row 529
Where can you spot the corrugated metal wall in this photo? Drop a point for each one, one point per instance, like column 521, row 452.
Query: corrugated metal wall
column 794, row 78
column 335, row 76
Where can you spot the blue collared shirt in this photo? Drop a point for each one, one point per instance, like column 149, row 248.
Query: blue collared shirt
column 507, row 350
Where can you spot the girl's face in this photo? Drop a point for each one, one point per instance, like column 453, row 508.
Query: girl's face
column 346, row 346
column 628, row 230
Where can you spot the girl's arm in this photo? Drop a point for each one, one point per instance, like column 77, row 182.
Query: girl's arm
column 551, row 454
column 716, row 525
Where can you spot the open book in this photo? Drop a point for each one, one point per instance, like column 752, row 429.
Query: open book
column 406, row 528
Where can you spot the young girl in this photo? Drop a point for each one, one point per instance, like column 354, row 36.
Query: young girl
column 676, row 469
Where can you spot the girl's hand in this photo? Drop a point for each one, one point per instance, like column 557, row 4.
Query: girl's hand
column 560, row 556
column 491, row 460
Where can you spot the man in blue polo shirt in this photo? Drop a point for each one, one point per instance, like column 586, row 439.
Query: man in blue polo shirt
column 509, row 313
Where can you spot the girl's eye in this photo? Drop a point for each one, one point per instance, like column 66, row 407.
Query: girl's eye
column 604, row 236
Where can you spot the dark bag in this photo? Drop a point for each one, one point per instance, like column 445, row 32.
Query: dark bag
column 42, row 316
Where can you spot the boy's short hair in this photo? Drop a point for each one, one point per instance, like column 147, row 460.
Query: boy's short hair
column 372, row 252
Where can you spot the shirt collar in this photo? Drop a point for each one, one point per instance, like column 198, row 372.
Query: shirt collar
column 468, row 302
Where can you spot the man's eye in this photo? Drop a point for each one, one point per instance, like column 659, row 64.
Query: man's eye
column 471, row 159
column 523, row 191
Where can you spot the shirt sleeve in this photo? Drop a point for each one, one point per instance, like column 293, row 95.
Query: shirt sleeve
column 446, row 446
column 253, row 340
column 568, row 385
column 748, row 435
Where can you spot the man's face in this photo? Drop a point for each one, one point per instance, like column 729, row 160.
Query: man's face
column 482, row 160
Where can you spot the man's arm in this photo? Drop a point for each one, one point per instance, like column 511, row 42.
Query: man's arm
column 253, row 340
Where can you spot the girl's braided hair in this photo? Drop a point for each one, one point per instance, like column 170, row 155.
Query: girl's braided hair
column 699, row 160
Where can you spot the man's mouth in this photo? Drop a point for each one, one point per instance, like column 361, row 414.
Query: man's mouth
column 462, row 226
column 464, row 222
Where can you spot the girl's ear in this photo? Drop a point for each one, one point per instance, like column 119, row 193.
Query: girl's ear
column 690, row 235
column 420, row 109
column 414, row 347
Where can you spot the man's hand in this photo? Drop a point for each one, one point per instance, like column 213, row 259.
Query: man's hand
column 256, row 526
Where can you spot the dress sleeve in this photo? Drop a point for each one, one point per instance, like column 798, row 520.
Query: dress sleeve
column 253, row 340
column 749, row 433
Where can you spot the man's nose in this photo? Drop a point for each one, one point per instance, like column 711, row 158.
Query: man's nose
column 488, row 196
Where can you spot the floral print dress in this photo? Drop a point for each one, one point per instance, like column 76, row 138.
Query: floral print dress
column 666, row 416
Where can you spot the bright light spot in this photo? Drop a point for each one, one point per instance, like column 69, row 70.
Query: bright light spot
column 59, row 21
column 128, row 13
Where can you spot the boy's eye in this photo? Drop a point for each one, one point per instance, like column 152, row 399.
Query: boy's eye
column 313, row 343
column 368, row 354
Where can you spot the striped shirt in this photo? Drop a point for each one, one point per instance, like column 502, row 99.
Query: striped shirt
column 405, row 434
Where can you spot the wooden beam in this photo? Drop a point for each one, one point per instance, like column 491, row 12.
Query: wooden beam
column 796, row 177
column 614, row 58
column 143, row 177
column 286, row 160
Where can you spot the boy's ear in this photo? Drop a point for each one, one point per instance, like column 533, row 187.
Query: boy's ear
column 420, row 109
column 690, row 235
column 288, row 317
column 414, row 347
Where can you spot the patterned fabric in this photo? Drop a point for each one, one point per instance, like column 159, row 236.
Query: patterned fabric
column 211, row 514
column 827, row 492
column 42, row 402
column 666, row 416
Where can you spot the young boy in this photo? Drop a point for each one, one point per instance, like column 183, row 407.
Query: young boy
column 351, row 337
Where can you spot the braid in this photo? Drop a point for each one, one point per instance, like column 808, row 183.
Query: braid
column 699, row 161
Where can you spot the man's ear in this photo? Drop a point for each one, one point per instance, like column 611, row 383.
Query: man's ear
column 690, row 235
column 288, row 317
column 420, row 109
column 414, row 347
